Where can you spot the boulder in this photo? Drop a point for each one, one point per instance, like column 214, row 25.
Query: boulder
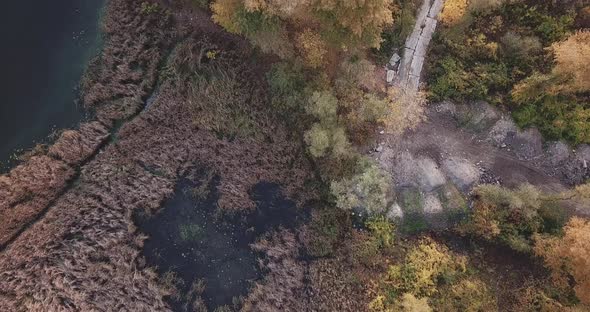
column 462, row 172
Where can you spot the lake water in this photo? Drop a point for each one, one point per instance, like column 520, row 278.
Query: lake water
column 45, row 48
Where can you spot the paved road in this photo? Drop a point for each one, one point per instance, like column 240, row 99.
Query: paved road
column 408, row 75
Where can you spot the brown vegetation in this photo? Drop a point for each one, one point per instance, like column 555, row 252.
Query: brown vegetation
column 283, row 287
column 84, row 253
column 115, row 86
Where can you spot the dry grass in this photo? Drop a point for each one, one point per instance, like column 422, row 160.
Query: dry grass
column 114, row 86
column 84, row 254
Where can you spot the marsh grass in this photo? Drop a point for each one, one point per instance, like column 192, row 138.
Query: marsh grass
column 190, row 232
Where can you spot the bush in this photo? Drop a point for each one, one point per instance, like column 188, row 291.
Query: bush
column 327, row 139
column 382, row 229
column 327, row 228
column 453, row 12
column 427, row 266
column 468, row 295
column 287, row 86
column 190, row 232
column 519, row 46
column 367, row 189
column 511, row 216
column 323, row 105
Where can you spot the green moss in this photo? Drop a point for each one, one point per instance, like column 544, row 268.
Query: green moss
column 453, row 203
column 412, row 203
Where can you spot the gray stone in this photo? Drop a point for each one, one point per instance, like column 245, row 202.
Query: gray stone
column 558, row 152
column 411, row 172
column 446, row 107
column 462, row 172
column 527, row 144
column 432, row 205
column 500, row 131
column 395, row 58
column 478, row 116
column 429, row 176
column 390, row 75
column 395, row 212
column 583, row 154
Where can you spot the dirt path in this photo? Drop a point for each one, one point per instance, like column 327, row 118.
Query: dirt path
column 458, row 147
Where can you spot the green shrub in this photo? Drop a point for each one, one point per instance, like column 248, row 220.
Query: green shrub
column 468, row 295
column 367, row 189
column 557, row 117
column 149, row 8
column 287, row 84
column 327, row 229
column 382, row 229
column 511, row 217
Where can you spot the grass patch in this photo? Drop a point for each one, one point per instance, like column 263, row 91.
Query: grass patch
column 190, row 232
column 412, row 203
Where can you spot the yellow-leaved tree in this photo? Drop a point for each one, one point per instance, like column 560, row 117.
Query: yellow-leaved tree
column 572, row 62
column 569, row 256
column 571, row 73
column 453, row 12
column 315, row 25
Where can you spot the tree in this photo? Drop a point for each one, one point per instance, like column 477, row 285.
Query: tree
column 282, row 8
column 367, row 189
column 512, row 216
column 571, row 73
column 453, row 12
column 569, row 256
column 312, row 47
column 468, row 295
column 409, row 303
column 327, row 139
column 405, row 111
column 313, row 24
column 572, row 60
column 265, row 31
column 225, row 14
column 354, row 22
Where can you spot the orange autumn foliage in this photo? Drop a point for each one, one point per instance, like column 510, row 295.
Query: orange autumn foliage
column 569, row 256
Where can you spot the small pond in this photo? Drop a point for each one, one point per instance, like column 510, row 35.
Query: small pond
column 190, row 240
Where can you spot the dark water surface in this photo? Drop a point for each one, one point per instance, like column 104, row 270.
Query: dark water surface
column 45, row 48
column 188, row 238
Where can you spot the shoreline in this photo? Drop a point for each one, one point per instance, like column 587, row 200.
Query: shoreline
column 78, row 227
column 29, row 188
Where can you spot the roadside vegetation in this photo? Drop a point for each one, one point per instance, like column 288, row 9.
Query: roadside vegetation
column 530, row 57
